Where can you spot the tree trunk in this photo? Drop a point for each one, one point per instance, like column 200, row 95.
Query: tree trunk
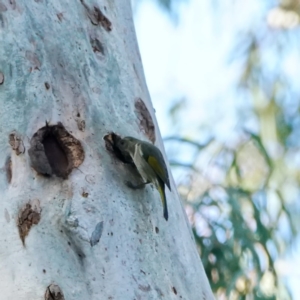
column 70, row 73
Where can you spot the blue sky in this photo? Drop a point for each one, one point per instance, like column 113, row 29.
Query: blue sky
column 191, row 60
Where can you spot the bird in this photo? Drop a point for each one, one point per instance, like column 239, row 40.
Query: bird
column 150, row 164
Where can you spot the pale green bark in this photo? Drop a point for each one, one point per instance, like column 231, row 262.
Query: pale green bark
column 60, row 67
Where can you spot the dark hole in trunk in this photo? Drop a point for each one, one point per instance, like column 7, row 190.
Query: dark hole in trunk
column 54, row 151
column 56, row 156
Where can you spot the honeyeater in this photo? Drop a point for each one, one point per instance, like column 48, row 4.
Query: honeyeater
column 150, row 164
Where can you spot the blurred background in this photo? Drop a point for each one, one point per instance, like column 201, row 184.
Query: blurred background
column 224, row 77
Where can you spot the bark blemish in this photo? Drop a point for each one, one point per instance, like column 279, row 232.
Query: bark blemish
column 78, row 251
column 159, row 292
column 7, row 216
column 16, row 143
column 54, row 151
column 156, row 229
column 47, row 85
column 8, row 169
column 54, row 292
column 144, row 288
column 80, row 124
column 110, row 144
column 97, row 45
column 28, row 216
column 146, row 123
column 174, row 290
column 13, row 4
column 60, row 16
column 80, row 121
column 97, row 17
column 101, row 19
column 1, row 78
column 96, row 235
column 84, row 194
column 2, row 7
column 33, row 59
column 73, row 236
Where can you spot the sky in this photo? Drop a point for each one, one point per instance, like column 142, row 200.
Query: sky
column 181, row 64
column 190, row 60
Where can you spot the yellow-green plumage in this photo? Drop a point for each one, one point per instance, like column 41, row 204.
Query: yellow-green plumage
column 161, row 190
column 162, row 179
column 150, row 164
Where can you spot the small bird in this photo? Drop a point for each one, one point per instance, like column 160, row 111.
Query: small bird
column 150, row 164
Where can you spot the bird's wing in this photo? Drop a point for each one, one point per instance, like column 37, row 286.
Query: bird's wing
column 159, row 170
column 152, row 161
column 156, row 162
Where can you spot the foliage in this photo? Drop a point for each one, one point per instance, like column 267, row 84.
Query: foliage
column 242, row 204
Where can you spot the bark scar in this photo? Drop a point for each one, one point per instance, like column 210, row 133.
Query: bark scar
column 146, row 123
column 30, row 215
column 97, row 17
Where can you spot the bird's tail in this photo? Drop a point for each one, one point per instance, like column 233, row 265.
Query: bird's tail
column 161, row 189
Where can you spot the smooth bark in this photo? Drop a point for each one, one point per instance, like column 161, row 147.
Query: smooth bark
column 84, row 234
